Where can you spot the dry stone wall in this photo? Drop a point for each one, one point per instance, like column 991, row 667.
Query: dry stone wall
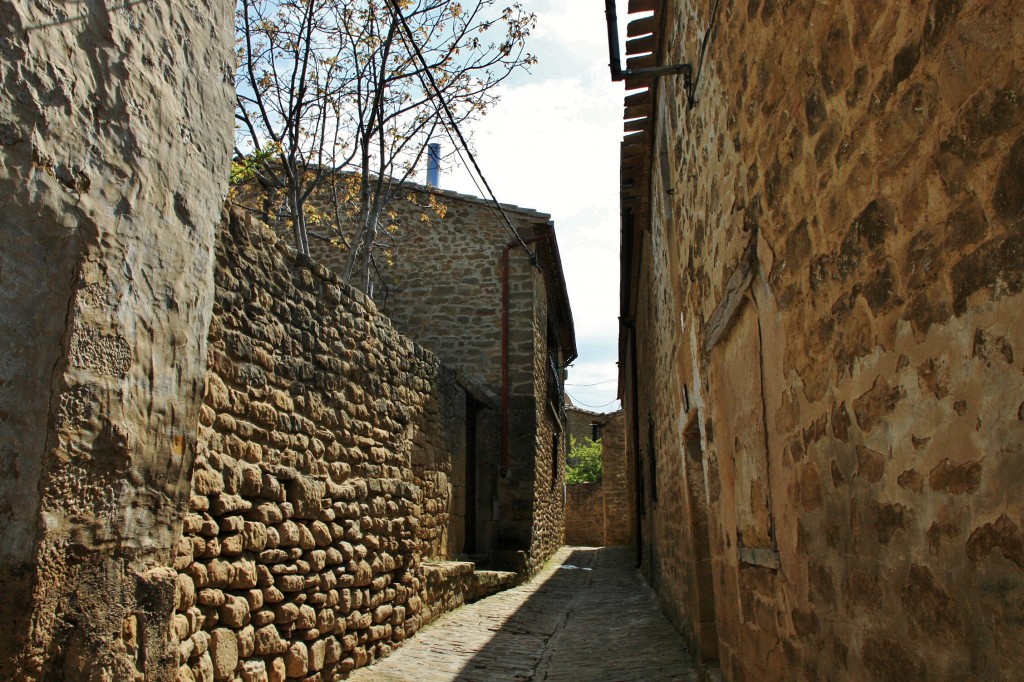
column 847, row 199
column 321, row 480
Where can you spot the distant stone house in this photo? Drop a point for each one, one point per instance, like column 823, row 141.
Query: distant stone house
column 497, row 311
column 583, row 423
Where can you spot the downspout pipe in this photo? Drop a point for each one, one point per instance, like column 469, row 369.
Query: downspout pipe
column 615, row 63
column 505, row 388
column 630, row 325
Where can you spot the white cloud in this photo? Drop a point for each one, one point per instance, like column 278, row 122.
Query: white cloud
column 552, row 144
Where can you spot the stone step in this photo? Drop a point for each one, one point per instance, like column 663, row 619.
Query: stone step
column 492, row 582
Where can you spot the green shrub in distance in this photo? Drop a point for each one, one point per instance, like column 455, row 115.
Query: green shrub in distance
column 583, row 462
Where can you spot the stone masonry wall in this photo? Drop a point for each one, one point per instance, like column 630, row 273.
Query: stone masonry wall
column 580, row 423
column 321, row 479
column 833, row 277
column 616, row 482
column 444, row 285
column 584, row 514
column 115, row 134
column 547, row 526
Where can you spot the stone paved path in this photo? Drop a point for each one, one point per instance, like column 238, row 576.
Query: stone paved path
column 586, row 616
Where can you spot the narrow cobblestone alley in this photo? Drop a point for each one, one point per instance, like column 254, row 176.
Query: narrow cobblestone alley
column 586, row 616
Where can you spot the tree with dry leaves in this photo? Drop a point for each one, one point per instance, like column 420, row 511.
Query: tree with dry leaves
column 334, row 105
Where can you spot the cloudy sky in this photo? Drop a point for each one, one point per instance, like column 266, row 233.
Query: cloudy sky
column 552, row 144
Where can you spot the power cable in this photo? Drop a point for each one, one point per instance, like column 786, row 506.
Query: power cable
column 397, row 12
column 472, row 177
column 595, row 384
column 700, row 60
column 577, row 402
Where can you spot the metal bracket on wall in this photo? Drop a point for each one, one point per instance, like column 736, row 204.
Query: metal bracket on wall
column 619, row 74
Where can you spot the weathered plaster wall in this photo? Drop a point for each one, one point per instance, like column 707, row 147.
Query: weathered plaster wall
column 866, row 463
column 114, row 138
column 322, row 479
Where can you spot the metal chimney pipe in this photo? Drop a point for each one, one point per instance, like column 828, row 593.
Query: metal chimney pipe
column 433, row 163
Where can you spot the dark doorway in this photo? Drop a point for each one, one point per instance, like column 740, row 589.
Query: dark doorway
column 472, row 409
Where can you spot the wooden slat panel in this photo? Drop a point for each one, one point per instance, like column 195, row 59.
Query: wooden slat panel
column 638, row 98
column 644, row 62
column 637, row 83
column 636, row 112
column 634, row 138
column 636, row 124
column 636, row 162
column 644, row 6
column 638, row 190
column 641, row 45
column 641, row 27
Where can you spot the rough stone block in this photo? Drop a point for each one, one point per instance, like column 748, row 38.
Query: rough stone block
column 254, row 536
column 228, row 504
column 223, row 653
column 277, row 671
column 246, row 641
column 296, row 660
column 254, row 670
column 185, row 593
column 268, row 641
column 210, row 597
column 244, row 574
column 200, row 643
column 203, row 667
column 306, row 618
column 234, row 612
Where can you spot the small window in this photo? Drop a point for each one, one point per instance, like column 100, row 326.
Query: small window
column 554, row 458
column 595, row 432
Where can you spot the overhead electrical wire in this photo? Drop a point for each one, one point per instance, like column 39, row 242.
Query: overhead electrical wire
column 577, row 402
column 700, row 60
column 397, row 12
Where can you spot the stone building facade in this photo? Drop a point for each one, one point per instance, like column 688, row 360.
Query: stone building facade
column 822, row 321
column 464, row 287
